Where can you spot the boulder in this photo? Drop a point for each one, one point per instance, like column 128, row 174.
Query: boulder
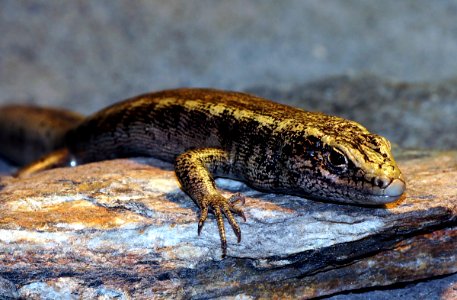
column 123, row 228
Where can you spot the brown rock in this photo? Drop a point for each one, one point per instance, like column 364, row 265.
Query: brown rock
column 124, row 228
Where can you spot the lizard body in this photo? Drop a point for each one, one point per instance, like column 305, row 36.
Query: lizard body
column 209, row 133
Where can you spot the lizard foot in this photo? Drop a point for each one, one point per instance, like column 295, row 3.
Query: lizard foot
column 220, row 206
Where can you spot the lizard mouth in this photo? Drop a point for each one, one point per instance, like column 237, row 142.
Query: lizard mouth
column 395, row 188
column 387, row 193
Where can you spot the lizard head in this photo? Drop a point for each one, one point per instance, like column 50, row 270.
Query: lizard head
column 344, row 164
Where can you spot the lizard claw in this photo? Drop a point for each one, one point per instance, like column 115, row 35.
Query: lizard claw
column 202, row 219
column 221, row 206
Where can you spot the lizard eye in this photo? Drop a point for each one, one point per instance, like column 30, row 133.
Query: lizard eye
column 336, row 159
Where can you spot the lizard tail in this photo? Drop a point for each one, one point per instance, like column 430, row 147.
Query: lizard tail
column 27, row 132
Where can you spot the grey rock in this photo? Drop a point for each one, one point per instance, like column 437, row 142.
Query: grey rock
column 86, row 54
column 444, row 288
column 411, row 115
column 125, row 227
column 8, row 289
column 68, row 288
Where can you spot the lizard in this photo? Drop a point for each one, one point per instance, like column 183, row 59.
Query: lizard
column 209, row 133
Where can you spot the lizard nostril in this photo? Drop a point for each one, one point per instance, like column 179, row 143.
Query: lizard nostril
column 381, row 182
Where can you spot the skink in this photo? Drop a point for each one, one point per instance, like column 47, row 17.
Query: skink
column 209, row 133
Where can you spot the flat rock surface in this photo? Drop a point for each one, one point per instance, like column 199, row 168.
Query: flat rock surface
column 124, row 228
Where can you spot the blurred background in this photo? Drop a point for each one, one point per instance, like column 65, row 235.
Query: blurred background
column 388, row 64
column 391, row 65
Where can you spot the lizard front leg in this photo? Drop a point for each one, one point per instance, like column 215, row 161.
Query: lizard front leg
column 195, row 170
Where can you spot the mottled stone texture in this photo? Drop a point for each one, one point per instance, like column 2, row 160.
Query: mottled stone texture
column 124, row 228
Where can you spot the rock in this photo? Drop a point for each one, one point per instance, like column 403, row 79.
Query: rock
column 418, row 257
column 123, row 227
column 443, row 287
column 87, row 54
column 412, row 115
column 7, row 289
column 67, row 288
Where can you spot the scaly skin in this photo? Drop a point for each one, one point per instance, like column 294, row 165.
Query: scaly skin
column 29, row 132
column 210, row 133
